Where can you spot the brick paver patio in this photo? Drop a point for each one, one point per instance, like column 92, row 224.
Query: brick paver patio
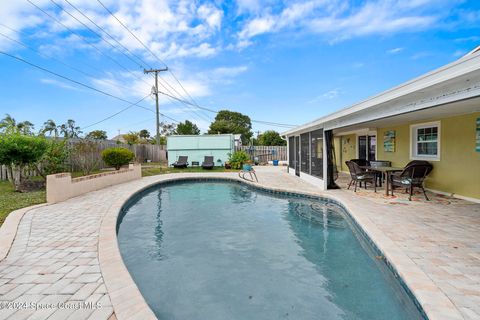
column 54, row 257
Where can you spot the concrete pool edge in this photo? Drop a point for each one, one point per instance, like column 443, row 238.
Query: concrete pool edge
column 128, row 302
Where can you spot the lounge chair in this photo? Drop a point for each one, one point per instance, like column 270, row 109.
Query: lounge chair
column 181, row 162
column 208, row 162
column 413, row 175
column 360, row 175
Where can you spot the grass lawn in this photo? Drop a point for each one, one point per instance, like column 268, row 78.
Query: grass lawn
column 11, row 200
column 154, row 170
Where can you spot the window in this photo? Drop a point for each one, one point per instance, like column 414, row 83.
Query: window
column 425, row 141
column 316, row 145
column 291, row 152
column 305, row 153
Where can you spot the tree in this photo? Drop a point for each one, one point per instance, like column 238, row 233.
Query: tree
column 131, row 137
column 97, row 135
column 9, row 125
column 84, row 155
column 50, row 127
column 232, row 122
column 17, row 151
column 70, row 129
column 187, row 127
column 144, row 134
column 167, row 129
column 54, row 160
column 117, row 157
column 270, row 138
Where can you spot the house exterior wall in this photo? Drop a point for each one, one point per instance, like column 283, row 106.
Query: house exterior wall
column 458, row 170
column 348, row 150
column 197, row 147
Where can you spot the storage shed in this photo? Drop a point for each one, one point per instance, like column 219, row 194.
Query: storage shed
column 196, row 147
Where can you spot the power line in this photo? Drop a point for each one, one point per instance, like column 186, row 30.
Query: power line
column 116, row 113
column 214, row 111
column 83, row 39
column 113, row 46
column 109, row 35
column 151, row 52
column 93, row 77
column 76, row 82
column 87, row 42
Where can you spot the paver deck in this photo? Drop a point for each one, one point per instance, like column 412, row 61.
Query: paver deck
column 54, row 257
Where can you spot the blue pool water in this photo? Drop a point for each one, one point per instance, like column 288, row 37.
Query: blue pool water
column 221, row 250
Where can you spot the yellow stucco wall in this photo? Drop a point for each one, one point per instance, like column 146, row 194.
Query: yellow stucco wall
column 346, row 150
column 458, row 170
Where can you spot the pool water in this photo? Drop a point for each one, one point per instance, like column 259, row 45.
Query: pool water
column 221, row 250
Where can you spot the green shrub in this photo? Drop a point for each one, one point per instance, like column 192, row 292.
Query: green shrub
column 18, row 151
column 117, row 157
column 237, row 159
column 54, row 160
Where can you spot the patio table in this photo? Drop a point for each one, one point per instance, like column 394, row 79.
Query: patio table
column 384, row 170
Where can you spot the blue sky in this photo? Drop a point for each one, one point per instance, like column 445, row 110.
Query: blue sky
column 278, row 61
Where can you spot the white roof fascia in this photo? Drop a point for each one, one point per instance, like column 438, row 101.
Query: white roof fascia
column 450, row 71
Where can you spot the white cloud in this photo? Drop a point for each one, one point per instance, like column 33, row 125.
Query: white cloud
column 59, row 84
column 183, row 28
column 395, row 50
column 329, row 95
column 340, row 20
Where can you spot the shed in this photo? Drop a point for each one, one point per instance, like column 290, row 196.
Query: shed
column 196, row 147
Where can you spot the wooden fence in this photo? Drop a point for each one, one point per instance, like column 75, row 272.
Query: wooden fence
column 143, row 152
column 265, row 153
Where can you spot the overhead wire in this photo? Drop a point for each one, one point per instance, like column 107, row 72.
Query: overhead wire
column 84, row 40
column 87, row 42
column 85, row 85
column 151, row 52
column 87, row 74
column 114, row 46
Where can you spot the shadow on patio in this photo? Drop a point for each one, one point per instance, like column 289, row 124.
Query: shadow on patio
column 400, row 196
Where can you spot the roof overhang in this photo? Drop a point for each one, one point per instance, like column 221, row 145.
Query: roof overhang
column 457, row 81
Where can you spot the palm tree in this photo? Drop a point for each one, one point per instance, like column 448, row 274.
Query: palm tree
column 25, row 127
column 8, row 124
column 70, row 130
column 50, row 127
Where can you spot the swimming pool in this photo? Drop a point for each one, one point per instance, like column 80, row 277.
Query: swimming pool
column 222, row 250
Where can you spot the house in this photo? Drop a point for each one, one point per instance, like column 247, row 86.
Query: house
column 434, row 117
column 196, row 147
column 119, row 139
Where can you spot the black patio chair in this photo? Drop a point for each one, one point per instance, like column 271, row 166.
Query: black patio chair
column 182, row 162
column 413, row 175
column 208, row 162
column 361, row 162
column 360, row 175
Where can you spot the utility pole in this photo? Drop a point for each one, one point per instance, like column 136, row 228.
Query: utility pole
column 155, row 89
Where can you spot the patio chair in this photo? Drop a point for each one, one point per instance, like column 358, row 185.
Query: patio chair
column 208, row 162
column 413, row 175
column 360, row 175
column 361, row 162
column 181, row 162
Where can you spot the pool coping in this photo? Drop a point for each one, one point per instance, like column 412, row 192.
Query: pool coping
column 128, row 302
column 9, row 228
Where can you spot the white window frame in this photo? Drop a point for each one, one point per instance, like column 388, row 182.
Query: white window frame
column 413, row 141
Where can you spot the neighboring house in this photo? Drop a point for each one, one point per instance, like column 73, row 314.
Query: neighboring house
column 119, row 138
column 434, row 117
column 196, row 147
